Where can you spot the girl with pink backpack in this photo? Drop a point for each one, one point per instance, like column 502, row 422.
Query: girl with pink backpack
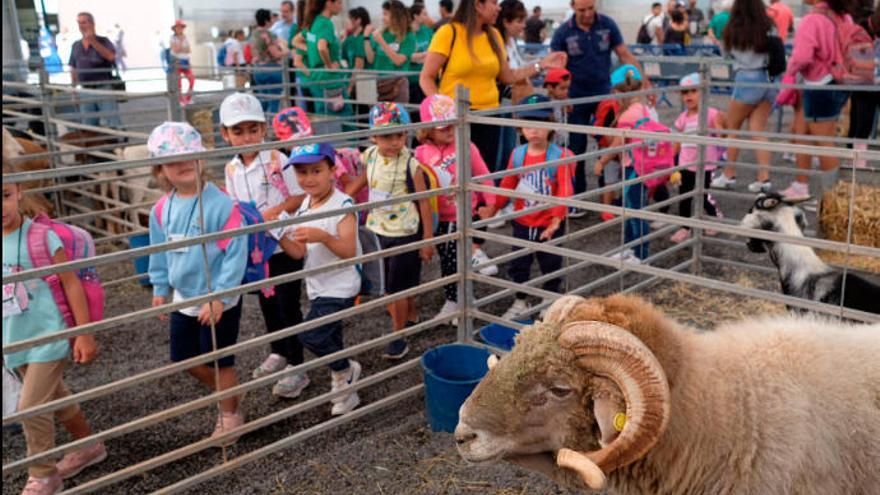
column 31, row 309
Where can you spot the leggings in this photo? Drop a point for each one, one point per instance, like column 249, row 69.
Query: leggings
column 688, row 183
column 448, row 252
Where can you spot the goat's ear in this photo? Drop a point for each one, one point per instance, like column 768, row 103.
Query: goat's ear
column 800, row 218
column 767, row 202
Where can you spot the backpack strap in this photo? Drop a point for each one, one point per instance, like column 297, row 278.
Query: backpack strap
column 410, row 183
column 160, row 207
column 451, row 45
column 38, row 244
column 275, row 176
column 554, row 152
column 519, row 156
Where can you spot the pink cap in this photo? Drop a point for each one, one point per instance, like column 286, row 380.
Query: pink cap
column 437, row 107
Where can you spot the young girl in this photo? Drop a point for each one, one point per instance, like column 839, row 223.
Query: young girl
column 180, row 272
column 438, row 151
column 626, row 79
column 543, row 225
column 30, row 311
column 398, row 224
column 260, row 178
column 689, row 123
column 180, row 53
column 322, row 242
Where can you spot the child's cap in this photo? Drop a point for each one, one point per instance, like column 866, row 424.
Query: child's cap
column 690, row 80
column 437, row 107
column 312, row 153
column 241, row 107
column 619, row 74
column 387, row 114
column 174, row 138
column 556, row 76
column 538, row 113
column 291, row 123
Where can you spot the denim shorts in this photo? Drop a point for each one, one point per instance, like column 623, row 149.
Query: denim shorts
column 823, row 105
column 189, row 338
column 753, row 96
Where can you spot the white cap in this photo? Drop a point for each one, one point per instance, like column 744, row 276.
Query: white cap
column 241, row 107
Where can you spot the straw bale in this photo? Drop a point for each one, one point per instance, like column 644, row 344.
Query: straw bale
column 203, row 121
column 834, row 220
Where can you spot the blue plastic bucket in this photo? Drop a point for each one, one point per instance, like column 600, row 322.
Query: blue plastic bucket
column 142, row 264
column 451, row 372
column 501, row 336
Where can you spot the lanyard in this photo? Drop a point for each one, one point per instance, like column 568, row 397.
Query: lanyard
column 247, row 183
column 168, row 218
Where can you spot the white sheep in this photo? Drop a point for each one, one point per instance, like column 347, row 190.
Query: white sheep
column 801, row 272
column 610, row 393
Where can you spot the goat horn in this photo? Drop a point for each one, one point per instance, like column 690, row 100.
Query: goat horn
column 583, row 466
column 610, row 351
column 561, row 308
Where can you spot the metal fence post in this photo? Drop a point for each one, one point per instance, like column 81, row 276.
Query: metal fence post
column 51, row 136
column 698, row 201
column 285, row 79
column 175, row 113
column 463, row 219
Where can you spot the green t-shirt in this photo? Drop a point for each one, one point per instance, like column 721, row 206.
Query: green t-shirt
column 353, row 48
column 29, row 309
column 718, row 23
column 322, row 29
column 407, row 47
column 423, row 41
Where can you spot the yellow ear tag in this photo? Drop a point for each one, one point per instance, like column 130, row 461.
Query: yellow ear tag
column 619, row 421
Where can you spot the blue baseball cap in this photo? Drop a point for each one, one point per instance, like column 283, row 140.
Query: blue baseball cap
column 387, row 114
column 620, row 73
column 312, row 153
column 538, row 113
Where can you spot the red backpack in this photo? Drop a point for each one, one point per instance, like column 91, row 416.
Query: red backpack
column 854, row 61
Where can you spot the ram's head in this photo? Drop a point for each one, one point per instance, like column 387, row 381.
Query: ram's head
column 578, row 397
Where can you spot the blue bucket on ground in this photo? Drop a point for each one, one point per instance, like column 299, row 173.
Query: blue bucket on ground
column 501, row 336
column 142, row 264
column 451, row 372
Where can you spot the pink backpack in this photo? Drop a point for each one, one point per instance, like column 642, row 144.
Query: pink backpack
column 854, row 61
column 78, row 244
column 655, row 155
column 273, row 173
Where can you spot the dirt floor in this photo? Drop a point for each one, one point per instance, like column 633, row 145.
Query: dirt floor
column 388, row 452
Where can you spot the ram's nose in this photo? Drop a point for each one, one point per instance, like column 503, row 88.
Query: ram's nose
column 464, row 434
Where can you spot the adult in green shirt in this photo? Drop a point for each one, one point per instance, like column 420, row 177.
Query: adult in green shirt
column 719, row 22
column 421, row 22
column 353, row 45
column 322, row 51
column 390, row 50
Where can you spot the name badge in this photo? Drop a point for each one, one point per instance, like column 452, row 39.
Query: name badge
column 178, row 237
column 14, row 301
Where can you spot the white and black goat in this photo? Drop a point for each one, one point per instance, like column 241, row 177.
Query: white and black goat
column 801, row 272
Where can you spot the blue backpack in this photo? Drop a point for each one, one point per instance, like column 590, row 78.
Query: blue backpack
column 554, row 152
column 221, row 56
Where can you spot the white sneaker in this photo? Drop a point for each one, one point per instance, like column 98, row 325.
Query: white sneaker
column 516, row 310
column 292, row 386
column 341, row 380
column 273, row 364
column 796, row 190
column 627, row 256
column 760, row 186
column 722, row 181
column 576, row 213
column 480, row 257
column 449, row 307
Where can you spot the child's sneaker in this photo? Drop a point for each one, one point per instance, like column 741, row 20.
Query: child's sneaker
column 395, row 350
column 43, row 486
column 722, row 181
column 627, row 256
column 760, row 186
column 658, row 224
column 449, row 307
column 341, row 380
column 607, row 216
column 74, row 462
column 576, row 213
column 680, row 235
column 273, row 364
column 480, row 257
column 516, row 309
column 796, row 190
column 291, row 387
column 227, row 421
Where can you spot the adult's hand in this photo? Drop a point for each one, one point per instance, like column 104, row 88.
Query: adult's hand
column 555, row 60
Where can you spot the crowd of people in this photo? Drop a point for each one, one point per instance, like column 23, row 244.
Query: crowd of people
column 474, row 46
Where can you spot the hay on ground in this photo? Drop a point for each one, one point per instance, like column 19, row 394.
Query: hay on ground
column 834, row 219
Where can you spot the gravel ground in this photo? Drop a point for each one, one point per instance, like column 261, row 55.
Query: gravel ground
column 387, row 452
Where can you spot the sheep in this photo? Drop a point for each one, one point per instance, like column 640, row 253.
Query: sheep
column 609, row 393
column 801, row 273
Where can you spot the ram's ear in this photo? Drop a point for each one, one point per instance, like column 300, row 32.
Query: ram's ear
column 610, row 413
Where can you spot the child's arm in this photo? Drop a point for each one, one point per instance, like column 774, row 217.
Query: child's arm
column 562, row 189
column 720, row 120
column 158, row 268
column 84, row 348
column 355, row 186
column 290, row 205
column 601, row 162
column 293, row 248
column 343, row 245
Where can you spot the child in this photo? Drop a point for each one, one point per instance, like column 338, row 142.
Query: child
column 626, row 79
column 557, row 83
column 322, row 242
column 181, row 271
column 438, row 151
column 260, row 178
column 30, row 311
column 398, row 224
column 689, row 123
column 543, row 225
column 606, row 116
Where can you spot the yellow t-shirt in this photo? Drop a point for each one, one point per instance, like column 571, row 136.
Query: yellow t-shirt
column 477, row 72
column 386, row 179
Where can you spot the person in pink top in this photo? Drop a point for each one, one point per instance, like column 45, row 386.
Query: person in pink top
column 815, row 43
column 781, row 15
column 438, row 151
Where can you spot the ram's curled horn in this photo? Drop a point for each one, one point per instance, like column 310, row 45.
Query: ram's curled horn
column 607, row 350
column 561, row 308
column 583, row 466
column 492, row 360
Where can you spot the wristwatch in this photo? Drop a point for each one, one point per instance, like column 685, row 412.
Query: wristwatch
column 538, row 69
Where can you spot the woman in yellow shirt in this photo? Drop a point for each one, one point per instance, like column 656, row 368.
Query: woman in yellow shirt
column 470, row 52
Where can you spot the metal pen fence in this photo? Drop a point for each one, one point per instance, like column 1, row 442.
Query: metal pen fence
column 476, row 292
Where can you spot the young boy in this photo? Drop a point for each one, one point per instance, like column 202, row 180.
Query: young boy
column 398, row 224
column 260, row 178
column 557, row 83
column 543, row 225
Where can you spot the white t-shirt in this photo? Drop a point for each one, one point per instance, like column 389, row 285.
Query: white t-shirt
column 180, row 43
column 341, row 283
column 253, row 183
column 514, row 58
column 234, row 53
column 653, row 24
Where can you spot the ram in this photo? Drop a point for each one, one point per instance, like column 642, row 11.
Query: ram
column 611, row 393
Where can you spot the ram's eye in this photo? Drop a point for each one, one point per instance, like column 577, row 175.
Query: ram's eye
column 560, row 392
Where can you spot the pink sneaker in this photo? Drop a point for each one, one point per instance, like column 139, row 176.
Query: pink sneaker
column 680, row 235
column 43, row 486
column 227, row 422
column 74, row 462
column 796, row 190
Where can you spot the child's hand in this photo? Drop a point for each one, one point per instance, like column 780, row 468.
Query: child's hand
column 271, row 214
column 426, row 253
column 598, row 167
column 84, row 349
column 550, row 230
column 487, row 211
column 211, row 313
column 310, row 235
column 158, row 301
